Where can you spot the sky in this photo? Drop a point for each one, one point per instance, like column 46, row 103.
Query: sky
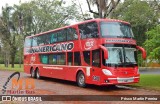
column 9, row 2
column 82, row 2
column 12, row 2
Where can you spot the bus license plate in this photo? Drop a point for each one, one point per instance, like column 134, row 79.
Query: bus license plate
column 125, row 80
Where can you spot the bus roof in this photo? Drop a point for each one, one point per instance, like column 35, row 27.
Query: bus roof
column 86, row 21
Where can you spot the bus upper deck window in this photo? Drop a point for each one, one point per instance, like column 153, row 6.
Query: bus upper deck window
column 28, row 42
column 88, row 30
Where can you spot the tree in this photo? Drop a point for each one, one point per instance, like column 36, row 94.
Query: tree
column 152, row 44
column 31, row 18
column 141, row 16
column 43, row 15
column 104, row 8
column 8, row 35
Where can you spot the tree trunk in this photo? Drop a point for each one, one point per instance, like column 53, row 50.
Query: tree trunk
column 100, row 9
column 20, row 59
column 5, row 60
column 13, row 55
column 12, row 60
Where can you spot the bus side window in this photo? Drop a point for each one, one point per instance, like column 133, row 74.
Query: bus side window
column 44, row 58
column 53, row 59
column 77, row 58
column 34, row 41
column 40, row 40
column 61, row 59
column 88, row 30
column 53, row 37
column 71, row 34
column 47, row 39
column 96, row 58
column 61, row 35
column 70, row 58
column 28, row 42
column 86, row 55
column 57, row 59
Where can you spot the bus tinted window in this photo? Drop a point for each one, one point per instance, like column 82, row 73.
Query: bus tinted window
column 70, row 58
column 116, row 29
column 44, row 59
column 53, row 59
column 71, row 34
column 34, row 42
column 61, row 59
column 28, row 42
column 43, row 39
column 88, row 30
column 53, row 37
column 57, row 59
column 61, row 35
column 86, row 55
column 96, row 58
column 77, row 58
column 40, row 40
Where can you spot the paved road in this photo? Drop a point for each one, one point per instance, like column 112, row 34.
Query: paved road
column 49, row 86
column 150, row 71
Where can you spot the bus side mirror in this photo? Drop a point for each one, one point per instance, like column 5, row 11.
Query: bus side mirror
column 143, row 52
column 105, row 51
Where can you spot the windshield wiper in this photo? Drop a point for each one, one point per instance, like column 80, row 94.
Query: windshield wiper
column 128, row 59
column 130, row 63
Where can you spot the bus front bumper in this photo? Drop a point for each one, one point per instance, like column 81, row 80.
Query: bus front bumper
column 120, row 80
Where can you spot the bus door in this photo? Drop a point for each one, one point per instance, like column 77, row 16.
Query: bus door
column 96, row 64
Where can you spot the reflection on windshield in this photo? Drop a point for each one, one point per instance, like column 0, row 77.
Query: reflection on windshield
column 130, row 55
column 116, row 29
column 121, row 56
column 115, row 55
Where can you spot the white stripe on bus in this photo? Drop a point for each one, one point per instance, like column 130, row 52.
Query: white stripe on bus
column 57, row 65
column 53, row 68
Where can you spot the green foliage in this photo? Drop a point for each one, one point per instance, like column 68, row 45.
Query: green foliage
column 43, row 15
column 31, row 18
column 141, row 16
column 152, row 44
column 149, row 81
column 16, row 68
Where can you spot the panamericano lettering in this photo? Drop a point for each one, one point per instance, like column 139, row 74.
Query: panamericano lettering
column 53, row 48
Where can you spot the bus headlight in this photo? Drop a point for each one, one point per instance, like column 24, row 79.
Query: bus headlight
column 106, row 72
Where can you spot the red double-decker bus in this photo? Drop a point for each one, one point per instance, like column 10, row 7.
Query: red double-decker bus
column 97, row 51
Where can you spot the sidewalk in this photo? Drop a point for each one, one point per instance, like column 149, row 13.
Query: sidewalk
column 149, row 68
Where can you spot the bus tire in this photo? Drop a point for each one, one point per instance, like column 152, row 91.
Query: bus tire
column 37, row 74
column 33, row 73
column 81, row 79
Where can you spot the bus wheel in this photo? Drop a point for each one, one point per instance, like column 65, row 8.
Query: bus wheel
column 37, row 74
column 81, row 79
column 33, row 73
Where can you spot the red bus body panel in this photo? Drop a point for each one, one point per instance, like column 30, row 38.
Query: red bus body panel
column 93, row 75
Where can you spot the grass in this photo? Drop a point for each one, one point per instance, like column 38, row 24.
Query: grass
column 9, row 68
column 149, row 81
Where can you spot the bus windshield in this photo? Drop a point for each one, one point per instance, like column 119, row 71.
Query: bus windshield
column 121, row 56
column 116, row 29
